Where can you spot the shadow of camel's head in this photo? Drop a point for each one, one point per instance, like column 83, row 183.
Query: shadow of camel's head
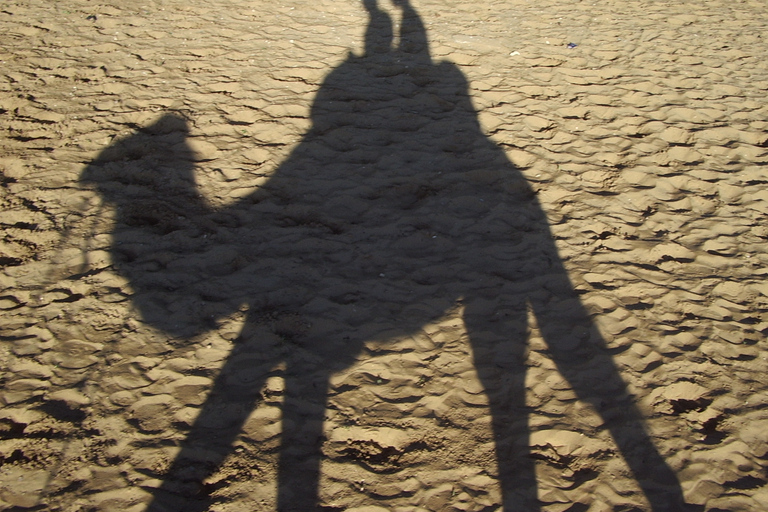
column 153, row 159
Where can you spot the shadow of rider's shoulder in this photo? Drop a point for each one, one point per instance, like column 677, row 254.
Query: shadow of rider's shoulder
column 449, row 74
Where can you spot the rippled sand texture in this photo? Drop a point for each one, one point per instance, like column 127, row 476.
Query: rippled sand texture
column 646, row 145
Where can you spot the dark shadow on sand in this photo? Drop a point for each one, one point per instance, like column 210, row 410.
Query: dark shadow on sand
column 395, row 207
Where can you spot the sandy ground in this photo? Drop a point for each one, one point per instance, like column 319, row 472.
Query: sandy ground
column 261, row 255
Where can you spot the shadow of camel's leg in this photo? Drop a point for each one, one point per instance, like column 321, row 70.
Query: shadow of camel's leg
column 498, row 340
column 591, row 372
column 232, row 399
column 306, row 390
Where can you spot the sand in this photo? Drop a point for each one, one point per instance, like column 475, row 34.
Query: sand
column 337, row 256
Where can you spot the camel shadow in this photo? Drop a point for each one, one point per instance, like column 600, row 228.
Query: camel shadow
column 393, row 208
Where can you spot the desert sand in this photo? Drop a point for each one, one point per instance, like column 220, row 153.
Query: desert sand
column 341, row 256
